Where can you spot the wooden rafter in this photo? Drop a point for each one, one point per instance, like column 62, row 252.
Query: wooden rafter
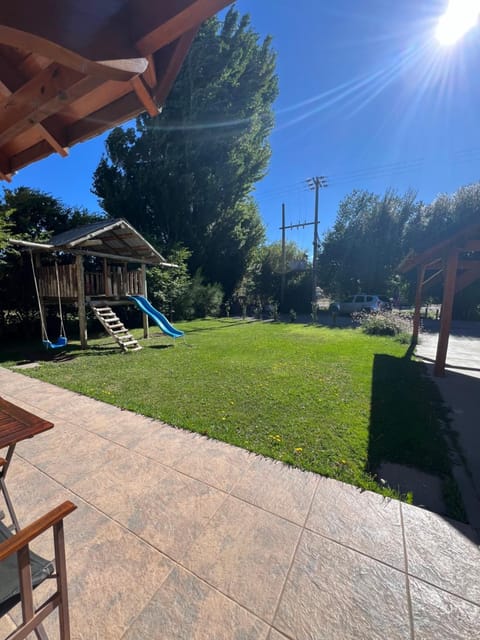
column 71, row 72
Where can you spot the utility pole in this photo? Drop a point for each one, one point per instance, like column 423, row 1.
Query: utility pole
column 284, row 227
column 284, row 260
column 316, row 183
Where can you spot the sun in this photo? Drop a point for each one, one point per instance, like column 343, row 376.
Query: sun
column 460, row 17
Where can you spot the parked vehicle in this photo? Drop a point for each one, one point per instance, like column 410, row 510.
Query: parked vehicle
column 361, row 302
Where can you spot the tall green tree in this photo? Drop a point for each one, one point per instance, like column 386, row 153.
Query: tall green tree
column 364, row 247
column 186, row 175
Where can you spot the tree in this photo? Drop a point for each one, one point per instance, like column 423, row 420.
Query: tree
column 5, row 228
column 437, row 221
column 36, row 216
column 364, row 247
column 186, row 175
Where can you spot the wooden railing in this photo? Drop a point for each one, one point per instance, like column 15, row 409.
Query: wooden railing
column 118, row 282
column 67, row 276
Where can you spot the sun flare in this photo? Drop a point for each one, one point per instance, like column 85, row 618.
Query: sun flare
column 460, row 17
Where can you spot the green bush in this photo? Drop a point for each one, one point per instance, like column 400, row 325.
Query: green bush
column 199, row 300
column 384, row 324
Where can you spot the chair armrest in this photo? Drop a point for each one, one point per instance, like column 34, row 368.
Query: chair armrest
column 33, row 530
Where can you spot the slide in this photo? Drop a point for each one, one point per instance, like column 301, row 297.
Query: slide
column 160, row 320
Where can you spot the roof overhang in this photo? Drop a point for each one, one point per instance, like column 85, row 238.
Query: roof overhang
column 72, row 69
column 112, row 239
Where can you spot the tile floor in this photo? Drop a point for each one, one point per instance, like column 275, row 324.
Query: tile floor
column 179, row 537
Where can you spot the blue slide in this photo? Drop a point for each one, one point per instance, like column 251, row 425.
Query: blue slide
column 160, row 320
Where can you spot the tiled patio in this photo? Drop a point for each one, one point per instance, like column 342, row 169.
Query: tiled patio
column 181, row 537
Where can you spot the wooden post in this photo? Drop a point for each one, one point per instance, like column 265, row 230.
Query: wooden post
column 106, row 279
column 82, row 312
column 446, row 315
column 146, row 331
column 418, row 302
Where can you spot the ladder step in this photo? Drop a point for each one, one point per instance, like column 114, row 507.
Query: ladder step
column 115, row 328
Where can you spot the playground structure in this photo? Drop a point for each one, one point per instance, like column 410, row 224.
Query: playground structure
column 103, row 265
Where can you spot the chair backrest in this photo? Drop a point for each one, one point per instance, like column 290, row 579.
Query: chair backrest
column 22, row 570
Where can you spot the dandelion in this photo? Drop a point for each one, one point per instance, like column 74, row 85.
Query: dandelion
column 298, row 449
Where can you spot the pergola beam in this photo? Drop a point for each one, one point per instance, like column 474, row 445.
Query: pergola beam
column 446, row 316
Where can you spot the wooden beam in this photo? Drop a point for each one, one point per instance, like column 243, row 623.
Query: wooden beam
column 468, row 264
column 121, row 70
column 144, row 293
column 473, row 245
column 117, row 112
column 12, row 81
column 446, row 315
column 172, row 20
column 150, row 73
column 418, row 302
column 143, row 94
column 82, row 312
column 43, row 95
column 169, row 62
column 436, row 277
column 467, row 278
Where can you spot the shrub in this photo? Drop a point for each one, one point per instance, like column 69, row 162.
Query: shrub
column 199, row 300
column 384, row 324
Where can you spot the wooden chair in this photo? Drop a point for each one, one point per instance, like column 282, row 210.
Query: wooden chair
column 22, row 570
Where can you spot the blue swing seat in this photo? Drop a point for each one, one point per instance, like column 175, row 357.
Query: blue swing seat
column 59, row 344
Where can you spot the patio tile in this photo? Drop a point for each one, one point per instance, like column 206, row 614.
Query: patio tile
column 161, row 505
column 69, row 453
column 277, row 488
column 245, row 553
column 362, row 520
column 441, row 554
column 6, row 626
column 168, row 445
column 122, row 427
column 110, row 580
column 335, row 593
column 185, row 608
column 275, row 635
column 216, row 463
column 438, row 615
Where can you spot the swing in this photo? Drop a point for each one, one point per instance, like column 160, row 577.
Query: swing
column 62, row 338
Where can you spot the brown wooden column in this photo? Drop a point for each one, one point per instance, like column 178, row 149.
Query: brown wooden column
column 106, row 279
column 418, row 302
column 446, row 315
column 82, row 312
column 146, row 331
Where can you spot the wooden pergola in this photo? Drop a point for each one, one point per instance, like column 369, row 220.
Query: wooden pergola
column 456, row 263
column 72, row 69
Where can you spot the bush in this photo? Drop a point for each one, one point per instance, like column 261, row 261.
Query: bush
column 199, row 300
column 384, row 324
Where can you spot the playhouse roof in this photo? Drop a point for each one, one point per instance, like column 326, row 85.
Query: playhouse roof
column 70, row 69
column 112, row 238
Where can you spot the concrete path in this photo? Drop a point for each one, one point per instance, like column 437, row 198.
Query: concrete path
column 180, row 537
column 460, row 389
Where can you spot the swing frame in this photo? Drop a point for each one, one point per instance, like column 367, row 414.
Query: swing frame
column 62, row 340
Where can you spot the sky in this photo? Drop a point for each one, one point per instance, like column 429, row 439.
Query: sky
column 368, row 98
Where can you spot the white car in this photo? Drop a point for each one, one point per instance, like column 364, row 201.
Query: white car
column 361, row 302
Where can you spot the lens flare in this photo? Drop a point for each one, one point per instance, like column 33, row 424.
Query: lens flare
column 460, row 17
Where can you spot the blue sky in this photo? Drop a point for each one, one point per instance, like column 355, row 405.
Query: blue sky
column 367, row 98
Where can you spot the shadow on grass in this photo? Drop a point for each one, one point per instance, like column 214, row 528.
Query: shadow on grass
column 407, row 423
column 227, row 323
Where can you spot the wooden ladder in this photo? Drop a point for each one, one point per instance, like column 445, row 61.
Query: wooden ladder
column 115, row 328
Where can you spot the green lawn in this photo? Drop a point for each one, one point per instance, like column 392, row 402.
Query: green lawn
column 334, row 401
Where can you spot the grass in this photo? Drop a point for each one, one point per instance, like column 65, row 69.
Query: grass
column 333, row 401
